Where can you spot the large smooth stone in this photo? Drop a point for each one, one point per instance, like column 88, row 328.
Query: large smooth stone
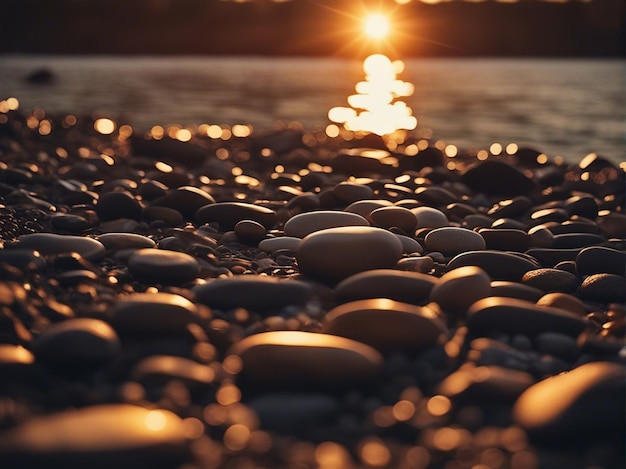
column 398, row 285
column 498, row 265
column 586, row 402
column 400, row 217
column 334, row 254
column 599, row 259
column 308, row 222
column 563, row 301
column 253, row 292
column 150, row 314
column 289, row 243
column 450, row 240
column 604, row 288
column 163, row 266
column 497, row 178
column 77, row 343
column 305, row 360
column 51, row 244
column 386, row 324
column 98, row 437
column 459, row 288
column 521, row 317
column 118, row 204
column 429, row 217
column 228, row 214
column 366, row 207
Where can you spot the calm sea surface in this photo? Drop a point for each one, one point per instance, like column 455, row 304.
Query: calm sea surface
column 561, row 107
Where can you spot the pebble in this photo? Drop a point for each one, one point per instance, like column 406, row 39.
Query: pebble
column 505, row 239
column 49, row 244
column 429, row 217
column 350, row 192
column 118, row 241
column 486, row 383
column 288, row 243
column 511, row 315
column 99, row 437
column 498, row 265
column 423, row 264
column 185, row 199
column 515, row 290
column 603, row 288
column 551, row 280
column 118, row 204
column 334, row 254
column 459, row 288
column 153, row 314
column 163, row 266
column 253, row 292
column 399, row 217
column 305, row 360
column 564, row 301
column 398, row 285
column 228, row 214
column 497, row 178
column 309, row 222
column 386, row 324
column 451, row 240
column 366, row 207
column 600, row 259
column 250, row 231
column 77, row 344
column 169, row 216
column 586, row 402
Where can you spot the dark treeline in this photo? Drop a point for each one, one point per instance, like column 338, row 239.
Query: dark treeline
column 301, row 27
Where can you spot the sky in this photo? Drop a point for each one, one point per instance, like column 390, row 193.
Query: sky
column 422, row 28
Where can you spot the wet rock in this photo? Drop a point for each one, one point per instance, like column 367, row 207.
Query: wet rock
column 403, row 286
column 399, row 217
column 429, row 217
column 334, row 254
column 386, row 324
column 309, row 222
column 163, row 266
column 117, row 241
column 253, row 292
column 305, row 360
column 586, row 402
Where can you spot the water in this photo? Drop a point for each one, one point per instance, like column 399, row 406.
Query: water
column 560, row 107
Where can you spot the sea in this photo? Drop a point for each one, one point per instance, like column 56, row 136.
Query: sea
column 561, row 107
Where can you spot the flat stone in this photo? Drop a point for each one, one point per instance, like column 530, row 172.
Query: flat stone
column 253, row 292
column 515, row 290
column 99, row 437
column 117, row 241
column 604, row 288
column 399, row 217
column 563, row 301
column 150, row 314
column 49, row 244
column 305, row 360
column 499, row 265
column 118, row 204
column 551, row 280
column 289, row 243
column 398, row 285
column 366, row 207
column 185, row 199
column 515, row 316
column 410, row 245
column 505, row 239
column 228, row 214
column 586, row 402
column 77, row 343
column 334, row 254
column 386, row 324
column 163, row 267
column 309, row 222
column 459, row 288
column 429, row 217
column 576, row 240
column 484, row 383
column 451, row 240
column 600, row 259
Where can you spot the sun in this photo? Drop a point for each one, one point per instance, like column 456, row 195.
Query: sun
column 376, row 25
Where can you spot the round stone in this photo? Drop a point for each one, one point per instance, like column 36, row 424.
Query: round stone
column 451, row 241
column 400, row 217
column 429, row 217
column 515, row 316
column 118, row 204
column 551, row 280
column 49, row 244
column 253, row 292
column 350, row 192
column 423, row 264
column 150, row 314
column 163, row 266
column 459, row 288
column 309, row 222
column 99, row 437
column 366, row 207
column 76, row 344
column 228, row 214
column 305, row 360
column 289, row 243
column 493, row 177
column 505, row 239
column 585, row 402
column 499, row 265
column 398, row 285
column 117, row 241
column 250, row 231
column 515, row 290
column 185, row 200
column 386, row 324
column 169, row 216
column 334, row 254
column 564, row 301
column 604, row 288
column 600, row 259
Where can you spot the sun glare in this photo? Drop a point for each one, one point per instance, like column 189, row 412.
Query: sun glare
column 376, row 25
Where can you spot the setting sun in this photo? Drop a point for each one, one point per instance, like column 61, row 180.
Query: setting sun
column 376, row 25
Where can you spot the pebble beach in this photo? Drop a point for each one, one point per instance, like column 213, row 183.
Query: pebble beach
column 226, row 298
